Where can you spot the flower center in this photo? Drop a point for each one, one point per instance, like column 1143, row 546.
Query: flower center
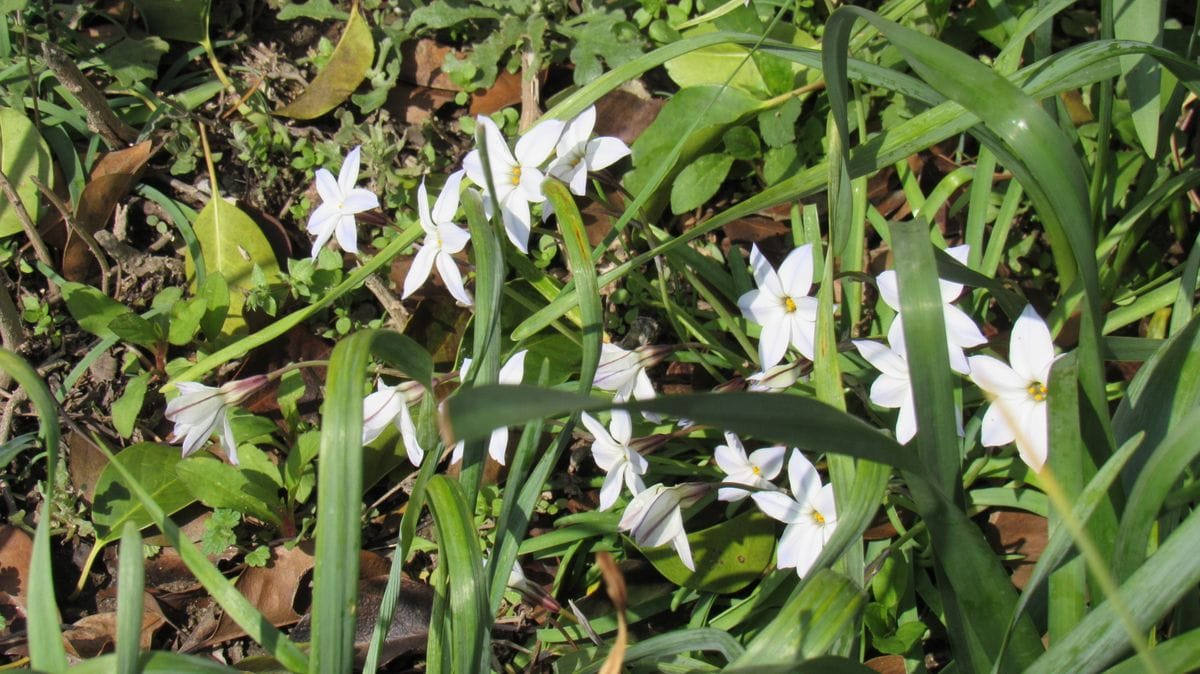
column 516, row 176
column 818, row 517
column 756, row 470
column 789, row 305
column 1037, row 391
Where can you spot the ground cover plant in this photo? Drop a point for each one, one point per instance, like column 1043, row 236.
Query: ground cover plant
column 599, row 336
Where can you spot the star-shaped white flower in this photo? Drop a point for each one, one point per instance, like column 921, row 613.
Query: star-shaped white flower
column 612, row 453
column 810, row 514
column 655, row 517
column 624, row 372
column 511, row 374
column 198, row 410
column 577, row 152
column 442, row 240
column 517, row 178
column 389, row 405
column 756, row 471
column 1019, row 393
column 961, row 331
column 781, row 305
column 774, row 379
column 340, row 200
column 892, row 388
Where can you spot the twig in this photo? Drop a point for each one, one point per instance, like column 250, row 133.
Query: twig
column 19, row 396
column 394, row 307
column 12, row 334
column 530, row 87
column 88, row 239
column 100, row 117
column 35, row 239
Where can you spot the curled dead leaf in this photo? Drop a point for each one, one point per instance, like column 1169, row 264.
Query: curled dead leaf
column 346, row 69
column 114, row 175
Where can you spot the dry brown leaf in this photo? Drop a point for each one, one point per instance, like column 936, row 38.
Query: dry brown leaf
column 505, row 92
column 422, row 65
column 113, row 176
column 271, row 589
column 625, row 114
column 887, row 664
column 410, row 623
column 84, row 464
column 614, row 584
column 416, row 104
column 755, row 228
column 92, row 635
column 1020, row 533
column 16, row 549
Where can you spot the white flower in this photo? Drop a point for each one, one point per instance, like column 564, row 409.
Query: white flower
column 892, row 388
column 530, row 591
column 616, row 458
column 577, row 152
column 624, row 372
column 511, row 374
column 756, row 471
column 781, row 377
column 655, row 517
column 1018, row 393
column 517, row 179
column 389, row 405
column 961, row 331
column 198, row 410
column 810, row 515
column 442, row 240
column 781, row 305
column 340, row 200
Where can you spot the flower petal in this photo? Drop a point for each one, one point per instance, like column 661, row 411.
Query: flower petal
column 611, row 489
column 423, row 210
column 996, row 378
column 453, row 238
column 447, row 202
column 891, row 392
column 348, row 175
column 323, row 218
column 889, row 289
column 358, row 200
column 621, row 427
column 227, row 439
column 535, row 146
column 961, row 331
column 803, row 477
column 996, row 429
column 530, row 187
column 418, row 271
column 327, row 187
column 513, row 371
column 515, row 212
column 605, row 151
column 408, row 433
column 452, row 278
column 778, row 506
column 577, row 131
column 1031, row 350
column 882, row 358
column 498, row 445
column 769, row 461
column 1033, row 438
column 347, row 233
column 796, row 272
column 906, row 420
column 772, row 344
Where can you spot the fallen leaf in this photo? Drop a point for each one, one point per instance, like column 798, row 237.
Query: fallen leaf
column 416, row 104
column 271, row 589
column 92, row 635
column 625, row 114
column 113, row 176
column 23, row 155
column 755, row 228
column 84, row 464
column 887, row 664
column 505, row 92
column 422, row 65
column 410, row 623
column 346, row 69
column 16, row 548
column 1020, row 533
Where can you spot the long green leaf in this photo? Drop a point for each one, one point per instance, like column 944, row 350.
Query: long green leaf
column 459, row 551
column 339, row 490
column 130, row 581
column 45, row 638
column 797, row 421
column 579, row 262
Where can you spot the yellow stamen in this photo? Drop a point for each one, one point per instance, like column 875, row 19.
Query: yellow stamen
column 1038, row 392
column 756, row 470
column 516, row 175
column 818, row 518
column 789, row 304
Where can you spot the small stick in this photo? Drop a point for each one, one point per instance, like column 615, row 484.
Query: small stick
column 39, row 246
column 394, row 308
column 101, row 118
column 88, row 239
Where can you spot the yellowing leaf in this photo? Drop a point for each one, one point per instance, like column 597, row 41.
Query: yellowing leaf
column 23, row 155
column 728, row 556
column 345, row 71
column 232, row 244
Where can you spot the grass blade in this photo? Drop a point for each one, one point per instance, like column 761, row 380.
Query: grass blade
column 130, row 581
column 459, row 552
column 579, row 262
column 45, row 638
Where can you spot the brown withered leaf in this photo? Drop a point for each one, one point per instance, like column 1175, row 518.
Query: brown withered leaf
column 416, row 104
column 113, row 176
column 16, row 549
column 504, row 92
column 271, row 589
column 422, row 65
column 625, row 114
column 92, row 635
column 410, row 623
column 1020, row 533
column 84, row 464
column 887, row 664
column 755, row 228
